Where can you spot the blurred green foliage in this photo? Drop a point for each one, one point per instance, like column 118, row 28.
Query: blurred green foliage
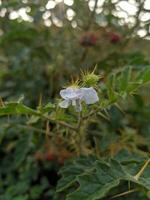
column 41, row 55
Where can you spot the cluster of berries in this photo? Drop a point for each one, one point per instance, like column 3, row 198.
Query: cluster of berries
column 90, row 39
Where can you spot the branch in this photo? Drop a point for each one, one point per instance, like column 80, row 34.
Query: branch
column 62, row 123
column 28, row 127
column 92, row 15
column 85, row 52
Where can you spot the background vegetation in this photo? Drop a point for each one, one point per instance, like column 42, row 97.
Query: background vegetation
column 43, row 45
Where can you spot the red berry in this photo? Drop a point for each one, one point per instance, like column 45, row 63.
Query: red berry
column 50, row 156
column 88, row 40
column 115, row 38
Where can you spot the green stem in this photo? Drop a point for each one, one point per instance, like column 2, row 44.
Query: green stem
column 28, row 127
column 79, row 134
column 62, row 123
column 97, row 149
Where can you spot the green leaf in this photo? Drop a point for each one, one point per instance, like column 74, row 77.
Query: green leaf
column 23, row 197
column 36, row 191
column 144, row 75
column 72, row 169
column 94, row 181
column 17, row 189
column 96, row 184
column 33, row 119
column 47, row 108
column 22, row 147
column 124, row 79
column 14, row 108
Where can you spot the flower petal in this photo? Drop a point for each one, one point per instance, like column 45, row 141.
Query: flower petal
column 64, row 104
column 71, row 93
column 89, row 95
column 64, row 93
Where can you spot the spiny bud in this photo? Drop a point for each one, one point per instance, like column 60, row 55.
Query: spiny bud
column 74, row 83
column 90, row 79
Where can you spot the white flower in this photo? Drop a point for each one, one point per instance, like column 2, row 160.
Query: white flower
column 74, row 96
column 89, row 95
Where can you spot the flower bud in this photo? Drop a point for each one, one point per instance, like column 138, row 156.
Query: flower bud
column 90, row 79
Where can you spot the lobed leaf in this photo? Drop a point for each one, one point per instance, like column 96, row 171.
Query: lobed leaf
column 94, row 181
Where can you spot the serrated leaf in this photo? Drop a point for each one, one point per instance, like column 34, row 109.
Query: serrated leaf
column 96, row 185
column 96, row 181
column 14, row 108
column 72, row 169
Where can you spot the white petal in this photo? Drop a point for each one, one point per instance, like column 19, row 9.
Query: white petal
column 64, row 104
column 64, row 93
column 71, row 93
column 89, row 95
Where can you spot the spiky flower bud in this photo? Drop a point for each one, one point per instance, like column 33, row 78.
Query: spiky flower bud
column 90, row 79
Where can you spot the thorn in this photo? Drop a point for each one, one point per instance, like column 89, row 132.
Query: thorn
column 123, row 193
column 137, row 176
column 1, row 102
column 40, row 100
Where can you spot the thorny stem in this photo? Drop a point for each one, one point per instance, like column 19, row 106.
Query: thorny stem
column 123, row 193
column 137, row 176
column 91, row 113
column 67, row 125
column 1, row 102
column 97, row 149
column 62, row 123
column 79, row 120
column 76, row 128
column 79, row 133
column 85, row 52
column 29, row 127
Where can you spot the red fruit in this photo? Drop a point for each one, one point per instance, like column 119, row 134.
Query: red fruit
column 89, row 39
column 50, row 156
column 115, row 38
